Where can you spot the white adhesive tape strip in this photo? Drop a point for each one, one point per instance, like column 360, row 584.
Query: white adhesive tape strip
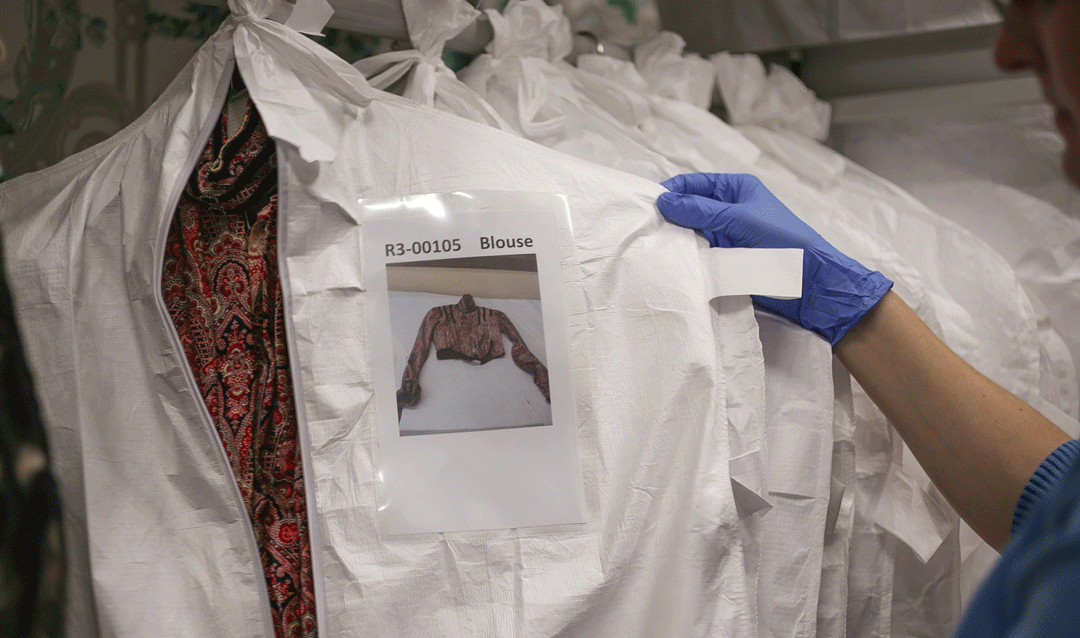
column 310, row 16
column 306, row 16
column 769, row 272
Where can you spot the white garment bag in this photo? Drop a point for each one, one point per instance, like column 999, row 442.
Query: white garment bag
column 885, row 491
column 799, row 372
column 801, row 389
column 692, row 138
column 958, row 179
column 670, row 73
column 523, row 76
column 887, row 578
column 809, row 461
column 993, row 325
column 1039, row 241
column 159, row 540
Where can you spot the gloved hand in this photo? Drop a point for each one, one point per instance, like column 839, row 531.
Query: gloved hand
column 738, row 211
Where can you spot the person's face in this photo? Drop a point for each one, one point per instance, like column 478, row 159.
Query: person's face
column 1044, row 36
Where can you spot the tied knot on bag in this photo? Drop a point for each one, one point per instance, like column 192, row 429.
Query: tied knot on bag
column 305, row 16
column 427, row 76
column 298, row 86
column 252, row 10
column 528, row 34
column 384, row 71
column 431, row 23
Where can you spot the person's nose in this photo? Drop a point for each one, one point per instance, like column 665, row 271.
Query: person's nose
column 1015, row 51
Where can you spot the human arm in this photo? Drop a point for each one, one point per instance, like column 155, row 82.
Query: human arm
column 978, row 443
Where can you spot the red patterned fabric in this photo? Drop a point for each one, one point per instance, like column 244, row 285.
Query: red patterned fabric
column 222, row 289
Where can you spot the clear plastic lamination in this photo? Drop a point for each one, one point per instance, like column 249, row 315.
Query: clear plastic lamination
column 470, row 347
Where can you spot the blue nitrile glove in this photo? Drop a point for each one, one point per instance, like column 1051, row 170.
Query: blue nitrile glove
column 738, row 211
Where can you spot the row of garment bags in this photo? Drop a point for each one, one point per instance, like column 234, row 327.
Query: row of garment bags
column 840, row 532
column 894, row 560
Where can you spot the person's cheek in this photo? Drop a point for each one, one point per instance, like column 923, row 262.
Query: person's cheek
column 1061, row 50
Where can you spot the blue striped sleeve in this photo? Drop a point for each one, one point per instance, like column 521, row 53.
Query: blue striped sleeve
column 1042, row 482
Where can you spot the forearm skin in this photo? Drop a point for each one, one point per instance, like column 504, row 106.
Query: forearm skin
column 979, row 443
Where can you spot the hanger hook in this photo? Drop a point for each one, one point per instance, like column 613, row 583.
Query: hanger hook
column 597, row 44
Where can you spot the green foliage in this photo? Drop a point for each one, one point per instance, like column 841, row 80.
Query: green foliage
column 198, row 22
column 628, row 7
column 457, row 60
column 348, row 45
column 67, row 24
column 95, row 31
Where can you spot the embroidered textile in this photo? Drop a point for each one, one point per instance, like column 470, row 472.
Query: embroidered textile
column 222, row 288
column 466, row 331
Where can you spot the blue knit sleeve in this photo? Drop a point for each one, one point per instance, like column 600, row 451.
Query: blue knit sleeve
column 1033, row 590
column 1043, row 481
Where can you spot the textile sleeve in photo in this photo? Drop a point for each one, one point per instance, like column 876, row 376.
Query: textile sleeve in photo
column 408, row 395
column 522, row 356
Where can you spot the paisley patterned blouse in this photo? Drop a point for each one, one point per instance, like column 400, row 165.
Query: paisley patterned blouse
column 222, row 288
column 466, row 331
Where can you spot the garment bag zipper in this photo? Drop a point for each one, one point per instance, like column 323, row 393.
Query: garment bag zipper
column 298, row 399
column 189, row 377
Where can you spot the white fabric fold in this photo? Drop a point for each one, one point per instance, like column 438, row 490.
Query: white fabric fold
column 524, row 78
column 420, row 74
column 839, row 518
column 671, row 73
column 748, row 474
column 776, row 100
column 920, row 518
column 432, row 22
column 691, row 137
column 272, row 58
